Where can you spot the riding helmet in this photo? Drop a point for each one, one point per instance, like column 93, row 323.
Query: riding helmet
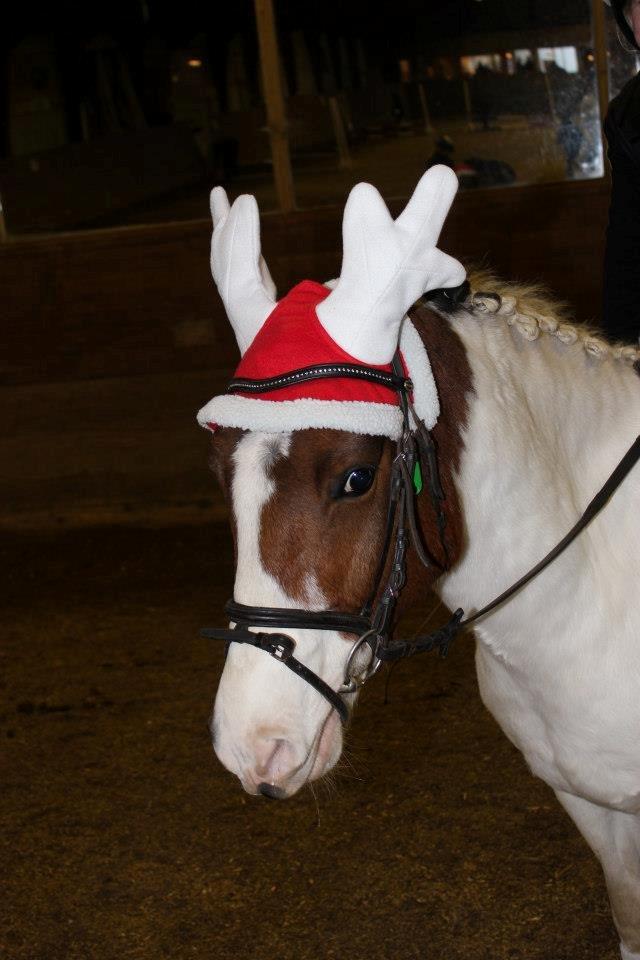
column 619, row 12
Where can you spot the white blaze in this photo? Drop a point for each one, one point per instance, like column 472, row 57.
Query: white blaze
column 258, row 696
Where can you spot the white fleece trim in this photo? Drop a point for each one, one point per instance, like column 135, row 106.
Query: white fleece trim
column 354, row 416
column 275, row 416
column 425, row 394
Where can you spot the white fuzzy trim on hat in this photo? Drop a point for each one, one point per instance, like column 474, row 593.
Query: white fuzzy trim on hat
column 425, row 394
column 354, row 416
column 276, row 416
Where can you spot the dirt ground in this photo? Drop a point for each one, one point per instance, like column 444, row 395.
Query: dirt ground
column 124, row 839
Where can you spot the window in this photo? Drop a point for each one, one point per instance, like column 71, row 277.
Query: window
column 128, row 113
column 564, row 57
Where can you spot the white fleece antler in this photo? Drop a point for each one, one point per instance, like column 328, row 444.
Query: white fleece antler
column 238, row 268
column 387, row 265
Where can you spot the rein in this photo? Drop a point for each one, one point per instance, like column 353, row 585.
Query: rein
column 374, row 624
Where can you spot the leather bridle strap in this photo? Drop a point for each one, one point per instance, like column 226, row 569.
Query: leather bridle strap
column 600, row 500
column 281, row 647
column 300, row 619
column 443, row 637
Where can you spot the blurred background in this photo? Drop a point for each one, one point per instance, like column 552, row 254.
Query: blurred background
column 126, row 112
column 117, row 118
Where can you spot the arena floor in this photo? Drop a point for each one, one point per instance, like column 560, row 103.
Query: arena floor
column 125, row 839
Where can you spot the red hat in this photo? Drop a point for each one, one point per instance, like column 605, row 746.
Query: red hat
column 361, row 321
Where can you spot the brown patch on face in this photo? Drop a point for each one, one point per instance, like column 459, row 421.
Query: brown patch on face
column 310, row 531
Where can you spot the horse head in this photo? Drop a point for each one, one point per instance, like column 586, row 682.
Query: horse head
column 314, row 448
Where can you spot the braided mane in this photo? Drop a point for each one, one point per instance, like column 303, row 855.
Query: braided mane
column 530, row 310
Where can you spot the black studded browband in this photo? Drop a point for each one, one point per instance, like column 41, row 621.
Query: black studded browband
column 320, row 371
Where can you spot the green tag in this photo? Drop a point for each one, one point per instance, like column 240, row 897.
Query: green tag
column 417, row 477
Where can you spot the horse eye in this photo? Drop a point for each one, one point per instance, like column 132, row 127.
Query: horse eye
column 358, row 481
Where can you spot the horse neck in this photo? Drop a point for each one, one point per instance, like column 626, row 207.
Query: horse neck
column 546, row 425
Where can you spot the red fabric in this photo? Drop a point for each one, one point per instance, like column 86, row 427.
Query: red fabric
column 293, row 337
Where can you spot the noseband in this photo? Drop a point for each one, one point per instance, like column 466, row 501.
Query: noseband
column 415, row 458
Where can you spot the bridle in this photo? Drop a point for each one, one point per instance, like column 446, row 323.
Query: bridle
column 373, row 624
column 415, row 461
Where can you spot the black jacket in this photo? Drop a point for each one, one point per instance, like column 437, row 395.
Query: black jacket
column 621, row 307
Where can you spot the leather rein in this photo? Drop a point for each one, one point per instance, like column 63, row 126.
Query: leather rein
column 373, row 626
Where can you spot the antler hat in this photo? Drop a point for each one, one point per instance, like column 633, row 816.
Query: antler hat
column 358, row 321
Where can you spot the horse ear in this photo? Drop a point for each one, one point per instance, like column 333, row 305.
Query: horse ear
column 238, row 267
column 387, row 265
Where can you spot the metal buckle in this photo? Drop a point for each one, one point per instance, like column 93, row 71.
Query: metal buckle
column 281, row 649
column 351, row 683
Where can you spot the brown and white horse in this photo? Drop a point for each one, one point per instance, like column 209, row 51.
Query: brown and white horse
column 535, row 414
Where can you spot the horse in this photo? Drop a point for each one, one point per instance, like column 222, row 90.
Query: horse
column 529, row 414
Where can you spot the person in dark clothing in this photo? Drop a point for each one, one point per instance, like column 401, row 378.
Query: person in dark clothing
column 621, row 302
column 567, row 91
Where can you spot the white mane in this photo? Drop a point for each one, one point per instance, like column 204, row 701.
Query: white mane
column 531, row 312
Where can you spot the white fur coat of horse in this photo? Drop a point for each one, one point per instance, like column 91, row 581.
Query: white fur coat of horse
column 559, row 665
column 550, row 409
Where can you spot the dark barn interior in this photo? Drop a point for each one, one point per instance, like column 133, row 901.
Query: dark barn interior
column 124, row 837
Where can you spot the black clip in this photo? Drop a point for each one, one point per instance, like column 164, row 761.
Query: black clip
column 278, row 645
column 448, row 633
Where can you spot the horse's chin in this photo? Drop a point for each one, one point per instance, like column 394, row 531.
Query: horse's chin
column 329, row 747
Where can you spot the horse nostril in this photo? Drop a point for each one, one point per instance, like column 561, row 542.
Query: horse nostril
column 273, row 758
column 271, row 791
